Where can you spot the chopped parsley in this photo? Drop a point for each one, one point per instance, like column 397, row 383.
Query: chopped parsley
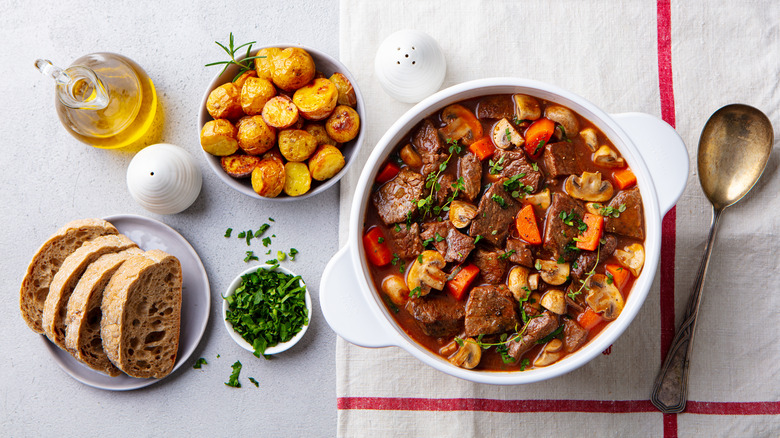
column 550, row 337
column 496, row 166
column 507, row 254
column 233, row 381
column 199, row 363
column 612, row 211
column 477, row 238
column 255, row 382
column 293, row 252
column 250, row 255
column 535, row 166
column 266, row 241
column 439, row 238
column 228, row 232
column 249, row 236
column 610, row 278
column 380, row 239
column 500, row 201
column 242, row 234
column 524, row 364
column 263, row 228
column 416, row 292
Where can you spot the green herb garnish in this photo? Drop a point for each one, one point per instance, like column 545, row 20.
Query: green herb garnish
column 233, row 381
column 266, row 241
column 293, row 252
column 244, row 65
column 250, row 255
column 255, row 382
column 228, row 232
column 199, row 363
column 550, row 337
column 268, row 307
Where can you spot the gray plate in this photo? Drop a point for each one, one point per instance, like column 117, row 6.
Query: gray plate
column 195, row 305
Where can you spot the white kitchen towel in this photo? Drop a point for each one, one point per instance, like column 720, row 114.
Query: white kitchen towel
column 678, row 60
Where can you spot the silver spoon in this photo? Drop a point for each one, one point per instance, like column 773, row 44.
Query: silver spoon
column 733, row 151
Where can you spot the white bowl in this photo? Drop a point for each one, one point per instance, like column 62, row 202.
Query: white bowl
column 278, row 348
column 655, row 152
column 323, row 63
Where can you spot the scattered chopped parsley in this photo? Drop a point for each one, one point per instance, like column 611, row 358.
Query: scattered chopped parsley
column 266, row 241
column 538, row 265
column 500, row 201
column 199, row 363
column 396, row 259
column 233, row 381
column 268, row 308
column 228, row 232
column 397, row 228
column 496, row 166
column 416, row 292
column 380, row 239
column 263, row 228
column 612, row 211
column 250, row 255
column 256, row 383
column 439, row 238
column 477, row 238
column 507, row 254
column 610, row 278
column 550, row 337
column 535, row 166
column 242, row 234
column 524, row 364
column 293, row 252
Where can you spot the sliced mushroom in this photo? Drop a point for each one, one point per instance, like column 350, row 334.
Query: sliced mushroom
column 554, row 300
column 594, row 208
column 410, row 156
column 461, row 213
column 517, row 282
column 565, row 117
column 604, row 297
column 589, row 187
column 606, row 157
column 468, row 355
column 552, row 272
column 533, row 281
column 395, row 289
column 527, row 107
column 461, row 125
column 505, row 135
column 541, row 199
column 426, row 273
column 590, row 138
column 534, row 301
column 550, row 354
column 632, row 257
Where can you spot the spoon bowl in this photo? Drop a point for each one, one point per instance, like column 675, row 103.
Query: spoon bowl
column 734, row 149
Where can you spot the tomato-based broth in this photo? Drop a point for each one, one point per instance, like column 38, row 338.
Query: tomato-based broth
column 504, row 232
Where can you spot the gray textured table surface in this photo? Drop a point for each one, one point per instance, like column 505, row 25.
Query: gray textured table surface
column 48, row 179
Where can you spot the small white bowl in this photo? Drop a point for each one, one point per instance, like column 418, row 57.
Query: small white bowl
column 278, row 348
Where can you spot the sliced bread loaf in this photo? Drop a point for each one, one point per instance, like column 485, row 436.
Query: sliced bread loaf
column 142, row 313
column 82, row 321
column 47, row 261
column 56, row 305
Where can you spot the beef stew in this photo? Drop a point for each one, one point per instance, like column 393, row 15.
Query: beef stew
column 507, row 223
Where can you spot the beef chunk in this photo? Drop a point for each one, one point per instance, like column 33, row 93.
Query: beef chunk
column 490, row 310
column 557, row 234
column 629, row 223
column 470, row 169
column 451, row 243
column 537, row 329
column 445, row 189
column 459, row 246
column 495, row 213
column 560, row 159
column 430, row 147
column 522, row 253
column 515, row 163
column 573, row 335
column 398, row 197
column 437, row 315
column 491, row 266
column 586, row 261
column 436, row 232
column 406, row 242
column 496, row 107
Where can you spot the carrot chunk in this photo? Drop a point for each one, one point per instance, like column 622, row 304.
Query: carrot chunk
column 624, row 178
column 537, row 135
column 619, row 275
column 460, row 283
column 589, row 239
column 387, row 173
column 376, row 249
column 483, row 148
column 526, row 225
column 589, row 319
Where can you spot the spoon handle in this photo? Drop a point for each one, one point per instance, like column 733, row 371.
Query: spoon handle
column 670, row 390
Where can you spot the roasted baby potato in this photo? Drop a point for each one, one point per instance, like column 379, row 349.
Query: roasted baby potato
column 297, row 179
column 254, row 95
column 293, row 68
column 264, row 67
column 239, row 165
column 268, row 176
column 280, row 112
column 296, row 144
column 218, row 137
column 242, row 79
column 223, row 102
column 254, row 135
column 346, row 92
column 343, row 125
column 317, row 99
column 326, row 162
column 319, row 133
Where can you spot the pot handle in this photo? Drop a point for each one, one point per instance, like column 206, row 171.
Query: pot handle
column 344, row 307
column 664, row 152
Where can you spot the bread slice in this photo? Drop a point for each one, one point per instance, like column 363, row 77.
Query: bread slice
column 82, row 321
column 47, row 261
column 142, row 313
column 56, row 305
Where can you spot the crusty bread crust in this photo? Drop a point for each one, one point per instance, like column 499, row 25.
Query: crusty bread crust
column 47, row 261
column 142, row 314
column 66, row 278
column 82, row 322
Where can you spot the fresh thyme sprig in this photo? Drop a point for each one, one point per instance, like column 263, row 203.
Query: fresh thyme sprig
column 244, row 65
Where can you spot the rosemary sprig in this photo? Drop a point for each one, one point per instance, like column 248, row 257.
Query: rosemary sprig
column 244, row 65
column 573, row 295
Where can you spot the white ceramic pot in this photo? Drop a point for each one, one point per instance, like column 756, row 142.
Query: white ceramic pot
column 654, row 151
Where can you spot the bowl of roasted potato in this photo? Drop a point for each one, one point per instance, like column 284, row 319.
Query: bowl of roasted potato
column 286, row 129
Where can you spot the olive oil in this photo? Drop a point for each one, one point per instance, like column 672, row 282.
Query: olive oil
column 104, row 99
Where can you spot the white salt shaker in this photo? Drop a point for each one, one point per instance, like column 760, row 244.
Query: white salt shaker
column 410, row 65
column 164, row 179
